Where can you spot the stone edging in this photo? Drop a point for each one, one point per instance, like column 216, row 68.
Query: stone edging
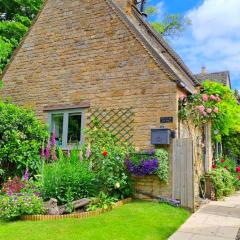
column 75, row 215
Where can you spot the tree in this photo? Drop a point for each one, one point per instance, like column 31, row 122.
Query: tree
column 171, row 26
column 15, row 19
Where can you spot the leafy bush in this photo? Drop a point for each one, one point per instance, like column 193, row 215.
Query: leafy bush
column 223, row 182
column 108, row 162
column 148, row 163
column 101, row 201
column 21, row 137
column 68, row 179
column 16, row 205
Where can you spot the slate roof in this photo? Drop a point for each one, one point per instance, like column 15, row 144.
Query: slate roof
column 220, row 77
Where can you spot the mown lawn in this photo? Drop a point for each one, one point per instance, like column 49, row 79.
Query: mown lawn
column 138, row 220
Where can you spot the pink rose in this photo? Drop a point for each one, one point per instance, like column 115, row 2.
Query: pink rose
column 218, row 99
column 205, row 97
column 201, row 108
column 204, row 113
column 212, row 97
column 195, row 92
column 216, row 110
column 182, row 97
column 209, row 110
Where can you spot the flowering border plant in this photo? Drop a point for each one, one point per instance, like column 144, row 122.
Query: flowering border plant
column 153, row 162
column 200, row 107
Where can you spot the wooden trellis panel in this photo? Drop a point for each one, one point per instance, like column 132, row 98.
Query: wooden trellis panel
column 118, row 121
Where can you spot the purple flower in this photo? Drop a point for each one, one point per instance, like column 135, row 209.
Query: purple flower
column 151, row 152
column 144, row 167
column 48, row 149
column 54, row 137
column 10, row 192
column 26, row 175
column 37, row 194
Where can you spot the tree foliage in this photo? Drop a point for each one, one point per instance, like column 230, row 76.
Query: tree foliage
column 171, row 25
column 15, row 19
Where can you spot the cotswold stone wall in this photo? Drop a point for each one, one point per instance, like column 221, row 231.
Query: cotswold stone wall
column 82, row 51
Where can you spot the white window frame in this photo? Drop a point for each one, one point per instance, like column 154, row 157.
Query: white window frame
column 66, row 114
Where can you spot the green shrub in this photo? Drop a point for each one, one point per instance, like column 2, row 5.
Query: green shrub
column 68, row 179
column 16, row 205
column 21, row 137
column 108, row 162
column 101, row 201
column 223, row 182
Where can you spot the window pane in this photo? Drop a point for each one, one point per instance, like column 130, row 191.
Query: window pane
column 57, row 124
column 74, row 128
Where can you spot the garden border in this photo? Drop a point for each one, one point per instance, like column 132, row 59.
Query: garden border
column 75, row 215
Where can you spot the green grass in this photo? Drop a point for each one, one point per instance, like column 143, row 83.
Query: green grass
column 138, row 220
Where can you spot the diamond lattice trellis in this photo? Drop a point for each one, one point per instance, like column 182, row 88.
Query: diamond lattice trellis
column 118, row 121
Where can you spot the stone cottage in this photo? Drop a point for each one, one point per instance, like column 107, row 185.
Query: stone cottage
column 100, row 58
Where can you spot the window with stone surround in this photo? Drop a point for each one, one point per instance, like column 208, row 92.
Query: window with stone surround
column 68, row 125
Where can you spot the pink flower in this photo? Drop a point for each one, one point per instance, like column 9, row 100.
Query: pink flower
column 48, row 148
column 205, row 97
column 218, row 99
column 26, row 175
column 195, row 92
column 54, row 137
column 54, row 155
column 209, row 110
column 212, row 97
column 88, row 151
column 181, row 98
column 204, row 113
column 201, row 108
column 42, row 152
column 216, row 110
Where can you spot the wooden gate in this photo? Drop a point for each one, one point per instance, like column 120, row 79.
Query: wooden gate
column 183, row 174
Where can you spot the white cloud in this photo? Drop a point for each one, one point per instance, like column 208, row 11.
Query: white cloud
column 214, row 38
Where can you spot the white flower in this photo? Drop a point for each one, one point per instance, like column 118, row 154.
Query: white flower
column 117, row 185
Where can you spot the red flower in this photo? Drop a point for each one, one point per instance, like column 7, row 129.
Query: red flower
column 226, row 167
column 105, row 153
column 223, row 160
column 238, row 169
column 238, row 177
column 214, row 166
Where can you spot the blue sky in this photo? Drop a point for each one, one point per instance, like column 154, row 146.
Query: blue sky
column 213, row 39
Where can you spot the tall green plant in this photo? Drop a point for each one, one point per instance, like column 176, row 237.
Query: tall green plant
column 21, row 137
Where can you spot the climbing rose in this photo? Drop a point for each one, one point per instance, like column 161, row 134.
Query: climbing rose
column 238, row 177
column 214, row 166
column 209, row 110
column 218, row 99
column 216, row 110
column 226, row 167
column 201, row 108
column 238, row 169
column 212, row 97
column 105, row 153
column 205, row 97
column 204, row 113
column 222, row 160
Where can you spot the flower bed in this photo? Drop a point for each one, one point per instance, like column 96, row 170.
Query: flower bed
column 81, row 215
column 153, row 162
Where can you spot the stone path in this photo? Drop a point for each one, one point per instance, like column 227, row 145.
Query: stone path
column 214, row 221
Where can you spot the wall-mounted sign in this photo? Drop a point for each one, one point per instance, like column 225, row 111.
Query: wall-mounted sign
column 166, row 119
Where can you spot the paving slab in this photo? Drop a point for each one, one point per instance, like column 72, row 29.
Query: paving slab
column 214, row 221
